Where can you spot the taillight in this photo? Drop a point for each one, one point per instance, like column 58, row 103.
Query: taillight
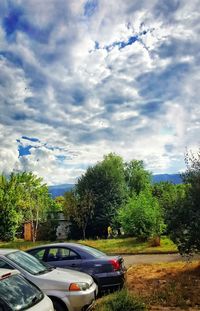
column 115, row 264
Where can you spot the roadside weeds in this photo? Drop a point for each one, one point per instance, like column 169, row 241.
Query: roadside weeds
column 166, row 286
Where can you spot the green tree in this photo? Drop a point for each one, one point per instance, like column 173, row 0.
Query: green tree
column 137, row 178
column 142, row 217
column 59, row 203
column 34, row 200
column 168, row 196
column 184, row 223
column 10, row 218
column 79, row 209
column 105, row 182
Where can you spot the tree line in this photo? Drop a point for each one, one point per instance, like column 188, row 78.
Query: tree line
column 112, row 193
column 121, row 194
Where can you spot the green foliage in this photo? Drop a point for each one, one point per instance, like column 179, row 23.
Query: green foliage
column 59, row 203
column 169, row 196
column 137, row 178
column 105, row 183
column 184, row 220
column 142, row 217
column 79, row 208
column 23, row 197
column 119, row 301
column 35, row 199
column 9, row 216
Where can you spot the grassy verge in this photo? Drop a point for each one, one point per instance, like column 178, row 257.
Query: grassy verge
column 131, row 246
column 119, row 301
column 110, row 246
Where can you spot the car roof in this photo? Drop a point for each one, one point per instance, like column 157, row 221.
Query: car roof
column 5, row 251
column 60, row 244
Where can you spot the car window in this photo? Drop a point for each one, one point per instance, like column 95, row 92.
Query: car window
column 5, row 265
column 38, row 253
column 28, row 262
column 18, row 293
column 61, row 253
column 93, row 251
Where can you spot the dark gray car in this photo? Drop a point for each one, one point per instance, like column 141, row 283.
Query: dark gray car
column 107, row 271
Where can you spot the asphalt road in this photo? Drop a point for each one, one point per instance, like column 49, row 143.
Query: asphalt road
column 130, row 260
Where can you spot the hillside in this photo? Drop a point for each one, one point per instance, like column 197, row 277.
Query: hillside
column 174, row 178
column 58, row 190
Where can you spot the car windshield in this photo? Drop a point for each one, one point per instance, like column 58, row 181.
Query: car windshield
column 18, row 293
column 93, row 251
column 28, row 262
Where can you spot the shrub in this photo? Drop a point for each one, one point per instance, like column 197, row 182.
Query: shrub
column 142, row 217
column 119, row 301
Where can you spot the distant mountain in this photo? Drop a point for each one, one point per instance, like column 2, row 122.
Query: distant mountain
column 58, row 190
column 173, row 178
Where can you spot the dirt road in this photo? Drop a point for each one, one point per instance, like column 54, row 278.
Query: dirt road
column 149, row 259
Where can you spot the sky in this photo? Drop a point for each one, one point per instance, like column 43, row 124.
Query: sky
column 82, row 78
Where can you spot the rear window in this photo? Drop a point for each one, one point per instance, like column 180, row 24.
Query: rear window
column 93, row 251
column 18, row 293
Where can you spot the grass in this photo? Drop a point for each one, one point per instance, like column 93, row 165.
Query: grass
column 160, row 287
column 110, row 246
column 167, row 285
column 119, row 301
column 131, row 246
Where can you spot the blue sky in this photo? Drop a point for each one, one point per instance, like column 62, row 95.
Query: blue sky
column 80, row 79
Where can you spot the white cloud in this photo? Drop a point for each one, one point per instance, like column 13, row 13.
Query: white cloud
column 140, row 100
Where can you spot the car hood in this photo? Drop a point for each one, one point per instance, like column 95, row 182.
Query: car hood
column 61, row 279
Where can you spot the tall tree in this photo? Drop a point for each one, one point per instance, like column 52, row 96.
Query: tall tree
column 184, row 223
column 35, row 200
column 79, row 209
column 168, row 196
column 105, row 182
column 10, row 218
column 137, row 178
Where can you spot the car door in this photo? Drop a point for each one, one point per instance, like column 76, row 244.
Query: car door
column 63, row 257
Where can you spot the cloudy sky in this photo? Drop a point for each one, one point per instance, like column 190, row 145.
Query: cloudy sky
column 82, row 78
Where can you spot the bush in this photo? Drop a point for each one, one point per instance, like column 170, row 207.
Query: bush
column 119, row 301
column 142, row 216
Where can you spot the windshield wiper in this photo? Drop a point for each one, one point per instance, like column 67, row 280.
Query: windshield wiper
column 34, row 300
column 42, row 271
column 45, row 270
column 50, row 268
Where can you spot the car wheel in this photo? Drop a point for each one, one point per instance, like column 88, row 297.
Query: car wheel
column 58, row 306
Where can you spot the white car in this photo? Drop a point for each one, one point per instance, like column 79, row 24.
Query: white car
column 17, row 293
column 69, row 290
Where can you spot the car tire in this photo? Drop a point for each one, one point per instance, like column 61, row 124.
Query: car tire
column 58, row 306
